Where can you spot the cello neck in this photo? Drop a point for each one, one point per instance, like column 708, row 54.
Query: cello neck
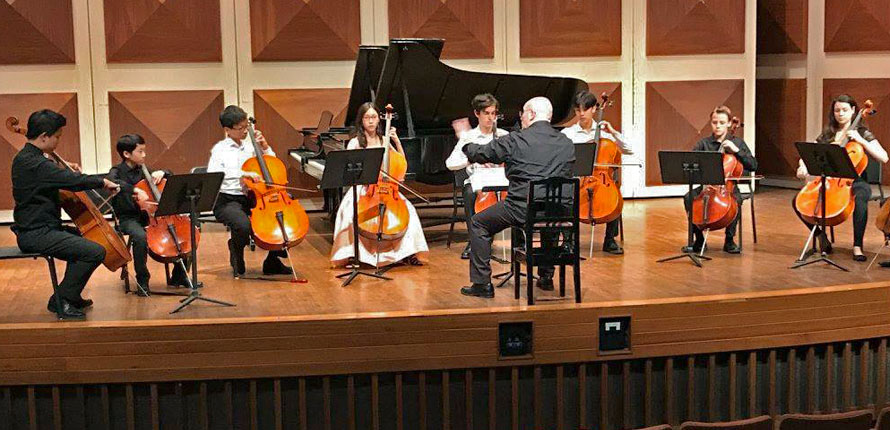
column 155, row 193
column 258, row 152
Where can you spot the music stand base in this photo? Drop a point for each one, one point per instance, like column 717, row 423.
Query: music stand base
column 822, row 258
column 696, row 259
column 196, row 295
column 354, row 273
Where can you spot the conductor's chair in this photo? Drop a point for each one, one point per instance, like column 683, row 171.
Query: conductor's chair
column 550, row 236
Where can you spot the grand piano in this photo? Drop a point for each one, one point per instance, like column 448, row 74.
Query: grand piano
column 427, row 95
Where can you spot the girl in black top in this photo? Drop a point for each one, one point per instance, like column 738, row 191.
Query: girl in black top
column 841, row 112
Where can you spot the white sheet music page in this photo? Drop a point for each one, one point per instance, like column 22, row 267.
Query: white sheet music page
column 488, row 177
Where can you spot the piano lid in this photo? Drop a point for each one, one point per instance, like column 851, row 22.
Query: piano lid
column 368, row 65
column 438, row 93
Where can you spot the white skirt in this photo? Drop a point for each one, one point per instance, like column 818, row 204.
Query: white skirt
column 413, row 242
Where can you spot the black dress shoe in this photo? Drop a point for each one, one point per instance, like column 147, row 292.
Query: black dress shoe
column 274, row 266
column 83, row 303
column 236, row 259
column 465, row 255
column 730, row 247
column 613, row 247
column 695, row 248
column 884, row 264
column 69, row 311
column 544, row 283
column 860, row 257
column 485, row 291
column 142, row 288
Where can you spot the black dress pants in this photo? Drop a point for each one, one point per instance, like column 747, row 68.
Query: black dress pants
column 82, row 256
column 469, row 205
column 139, row 244
column 484, row 226
column 861, row 194
column 730, row 229
column 234, row 212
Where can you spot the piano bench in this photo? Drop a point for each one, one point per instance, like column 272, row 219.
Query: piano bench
column 13, row 253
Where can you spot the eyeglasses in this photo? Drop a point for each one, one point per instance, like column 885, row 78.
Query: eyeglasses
column 371, row 117
column 240, row 128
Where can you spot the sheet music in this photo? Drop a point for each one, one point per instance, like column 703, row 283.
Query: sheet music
column 488, row 177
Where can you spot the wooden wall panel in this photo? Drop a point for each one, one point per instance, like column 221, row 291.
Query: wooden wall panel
column 782, row 26
column 690, row 27
column 466, row 25
column 162, row 31
column 287, row 30
column 569, row 28
column 613, row 113
column 281, row 114
column 781, row 121
column 877, row 90
column 677, row 115
column 21, row 106
column 179, row 127
column 857, row 25
column 36, row 32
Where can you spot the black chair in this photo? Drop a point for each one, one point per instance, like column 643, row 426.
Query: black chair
column 550, row 236
column 746, row 191
column 457, row 198
column 13, row 252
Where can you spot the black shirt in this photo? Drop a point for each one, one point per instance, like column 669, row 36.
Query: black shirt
column 536, row 152
column 123, row 203
column 744, row 155
column 36, row 182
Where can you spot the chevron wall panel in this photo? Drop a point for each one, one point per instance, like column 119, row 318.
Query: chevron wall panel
column 781, row 121
column 304, row 30
column 179, row 127
column 782, row 26
column 36, row 32
column 162, row 31
column 691, row 27
column 569, row 28
column 857, row 25
column 876, row 90
column 21, row 106
column 677, row 115
column 281, row 114
column 466, row 25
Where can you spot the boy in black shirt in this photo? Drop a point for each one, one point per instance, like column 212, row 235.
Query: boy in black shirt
column 132, row 219
column 37, row 216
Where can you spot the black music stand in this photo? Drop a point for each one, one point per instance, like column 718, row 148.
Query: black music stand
column 351, row 168
column 690, row 168
column 823, row 160
column 585, row 157
column 192, row 194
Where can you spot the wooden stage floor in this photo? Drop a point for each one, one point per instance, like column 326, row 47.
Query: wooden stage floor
column 654, row 228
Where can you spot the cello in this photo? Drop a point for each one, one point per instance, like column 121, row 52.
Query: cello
column 169, row 236
column 716, row 207
column 600, row 199
column 839, row 202
column 277, row 221
column 86, row 216
column 382, row 212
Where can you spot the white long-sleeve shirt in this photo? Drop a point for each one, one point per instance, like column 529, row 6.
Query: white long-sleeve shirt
column 580, row 135
column 458, row 160
column 228, row 156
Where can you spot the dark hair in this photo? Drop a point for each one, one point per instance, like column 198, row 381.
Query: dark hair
column 44, row 121
column 722, row 110
column 584, row 100
column 484, row 101
column 231, row 116
column 360, row 128
column 128, row 143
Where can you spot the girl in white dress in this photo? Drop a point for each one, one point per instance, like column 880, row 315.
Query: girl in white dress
column 405, row 248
